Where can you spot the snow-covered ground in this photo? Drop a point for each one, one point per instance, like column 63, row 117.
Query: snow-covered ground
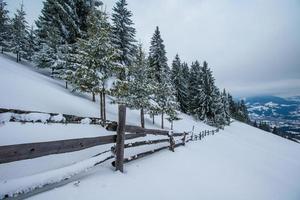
column 240, row 162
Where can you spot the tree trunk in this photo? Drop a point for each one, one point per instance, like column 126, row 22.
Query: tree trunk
column 142, row 118
column 93, row 94
column 104, row 106
column 162, row 120
column 153, row 119
column 17, row 57
column 101, row 105
column 2, row 50
column 66, row 84
column 52, row 71
column 171, row 125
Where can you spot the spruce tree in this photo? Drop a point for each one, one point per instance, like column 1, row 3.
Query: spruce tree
column 19, row 33
column 225, row 106
column 209, row 108
column 195, row 86
column 179, row 76
column 123, row 37
column 164, row 93
column 140, row 86
column 60, row 25
column 4, row 27
column 47, row 55
column 96, row 57
column 31, row 46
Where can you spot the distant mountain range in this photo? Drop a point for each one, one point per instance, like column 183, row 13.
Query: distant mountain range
column 281, row 112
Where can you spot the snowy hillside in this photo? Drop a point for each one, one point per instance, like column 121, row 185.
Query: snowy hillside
column 240, row 162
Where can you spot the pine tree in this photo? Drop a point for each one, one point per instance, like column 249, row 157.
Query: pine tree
column 179, row 76
column 140, row 86
column 19, row 33
column 123, row 37
column 255, row 124
column 60, row 25
column 210, row 106
column 164, row 94
column 96, row 58
column 31, row 46
column 48, row 54
column 195, row 85
column 4, row 27
column 244, row 111
column 61, row 15
column 238, row 110
column 220, row 118
column 226, row 111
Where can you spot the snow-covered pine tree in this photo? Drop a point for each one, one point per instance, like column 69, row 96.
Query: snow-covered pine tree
column 96, row 57
column 63, row 19
column 185, row 96
column 123, row 37
column 209, row 107
column 47, row 55
column 163, row 94
column 19, row 33
column 244, row 112
column 195, row 86
column 226, row 107
column 238, row 110
column 179, row 76
column 140, row 86
column 59, row 14
column 31, row 46
column 4, row 27
column 219, row 119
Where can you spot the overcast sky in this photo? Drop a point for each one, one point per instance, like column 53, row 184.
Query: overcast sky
column 253, row 46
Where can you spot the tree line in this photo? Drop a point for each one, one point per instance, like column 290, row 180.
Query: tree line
column 84, row 46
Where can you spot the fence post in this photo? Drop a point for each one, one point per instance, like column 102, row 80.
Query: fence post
column 184, row 138
column 120, row 138
column 172, row 143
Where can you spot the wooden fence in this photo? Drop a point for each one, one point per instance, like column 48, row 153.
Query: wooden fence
column 18, row 152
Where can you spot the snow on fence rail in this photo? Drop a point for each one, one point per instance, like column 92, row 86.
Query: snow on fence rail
column 24, row 116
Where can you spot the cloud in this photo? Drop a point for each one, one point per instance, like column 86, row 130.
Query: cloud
column 248, row 44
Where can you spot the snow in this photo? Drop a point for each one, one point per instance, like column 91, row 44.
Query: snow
column 271, row 104
column 26, row 184
column 240, row 162
column 32, row 117
column 58, row 118
column 5, row 117
column 86, row 121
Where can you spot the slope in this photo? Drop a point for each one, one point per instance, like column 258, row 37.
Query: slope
column 239, row 163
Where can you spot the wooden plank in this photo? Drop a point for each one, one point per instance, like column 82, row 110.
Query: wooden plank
column 138, row 130
column 18, row 152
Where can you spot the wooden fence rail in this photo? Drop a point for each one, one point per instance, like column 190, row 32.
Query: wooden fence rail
column 18, row 152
